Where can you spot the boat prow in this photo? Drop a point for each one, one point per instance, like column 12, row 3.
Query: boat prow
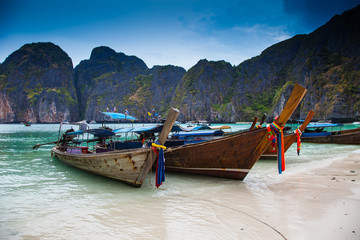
column 231, row 156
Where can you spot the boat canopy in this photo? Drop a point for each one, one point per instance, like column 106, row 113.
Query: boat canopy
column 156, row 129
column 123, row 130
column 119, row 116
column 147, row 129
column 199, row 133
column 75, row 133
column 96, row 132
column 101, row 132
column 197, row 128
column 322, row 125
column 220, row 127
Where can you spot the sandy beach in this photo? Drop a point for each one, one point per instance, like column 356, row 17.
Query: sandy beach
column 321, row 203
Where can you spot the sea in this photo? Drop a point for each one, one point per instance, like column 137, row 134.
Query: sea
column 41, row 198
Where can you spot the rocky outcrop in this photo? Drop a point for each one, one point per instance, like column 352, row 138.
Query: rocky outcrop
column 205, row 92
column 6, row 112
column 111, row 80
column 37, row 85
column 326, row 62
column 95, row 78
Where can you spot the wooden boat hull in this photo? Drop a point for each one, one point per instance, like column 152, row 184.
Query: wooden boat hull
column 130, row 165
column 227, row 157
column 231, row 156
column 351, row 136
column 125, row 166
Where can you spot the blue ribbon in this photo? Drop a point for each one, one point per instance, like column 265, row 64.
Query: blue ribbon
column 160, row 172
column 279, row 143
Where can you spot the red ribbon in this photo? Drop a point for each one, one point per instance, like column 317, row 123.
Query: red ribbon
column 298, row 135
column 280, row 139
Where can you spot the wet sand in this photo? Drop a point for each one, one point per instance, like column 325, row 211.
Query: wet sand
column 321, row 203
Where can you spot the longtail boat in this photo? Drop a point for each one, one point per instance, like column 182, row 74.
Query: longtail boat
column 290, row 138
column 317, row 133
column 129, row 165
column 231, row 156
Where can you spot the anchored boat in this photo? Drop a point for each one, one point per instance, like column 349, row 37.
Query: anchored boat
column 324, row 133
column 128, row 165
column 231, row 156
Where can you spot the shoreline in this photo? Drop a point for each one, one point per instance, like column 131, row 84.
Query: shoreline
column 322, row 203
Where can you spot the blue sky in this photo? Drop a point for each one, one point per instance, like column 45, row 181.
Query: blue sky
column 162, row 32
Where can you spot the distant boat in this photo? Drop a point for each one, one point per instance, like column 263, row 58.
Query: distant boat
column 325, row 133
column 222, row 127
column 27, row 124
column 197, row 123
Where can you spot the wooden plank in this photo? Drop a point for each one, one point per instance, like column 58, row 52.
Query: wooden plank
column 296, row 96
column 294, row 100
column 170, row 120
column 253, row 123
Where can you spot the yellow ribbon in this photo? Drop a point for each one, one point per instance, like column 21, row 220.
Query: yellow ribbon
column 158, row 146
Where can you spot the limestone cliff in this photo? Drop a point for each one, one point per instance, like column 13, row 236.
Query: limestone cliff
column 110, row 79
column 37, row 85
column 326, row 62
column 38, row 82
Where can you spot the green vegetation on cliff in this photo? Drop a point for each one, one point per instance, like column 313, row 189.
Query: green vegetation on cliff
column 325, row 61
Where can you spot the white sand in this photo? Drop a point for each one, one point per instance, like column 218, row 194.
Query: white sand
column 322, row 203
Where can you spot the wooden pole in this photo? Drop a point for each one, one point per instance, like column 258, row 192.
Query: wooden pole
column 253, row 123
column 170, row 120
column 263, row 118
column 296, row 96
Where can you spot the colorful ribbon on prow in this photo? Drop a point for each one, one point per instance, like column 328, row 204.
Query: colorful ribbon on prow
column 280, row 140
column 298, row 136
column 271, row 138
column 160, row 165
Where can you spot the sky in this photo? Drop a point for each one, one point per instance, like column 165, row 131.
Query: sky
column 163, row 32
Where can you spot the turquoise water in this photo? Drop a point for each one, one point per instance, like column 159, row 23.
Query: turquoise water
column 41, row 198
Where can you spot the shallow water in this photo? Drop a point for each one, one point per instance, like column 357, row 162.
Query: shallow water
column 41, row 198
